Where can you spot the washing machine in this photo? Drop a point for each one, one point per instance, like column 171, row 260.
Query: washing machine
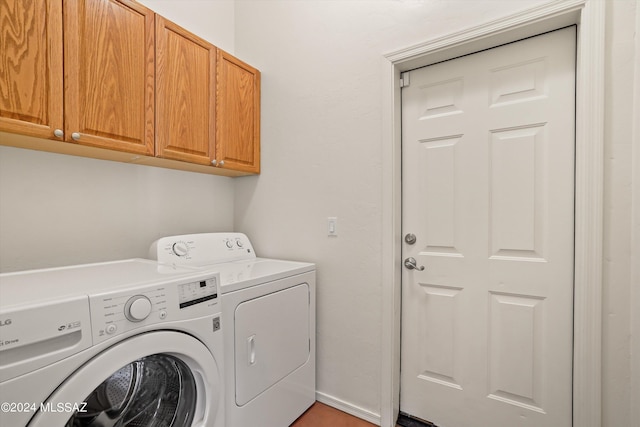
column 127, row 342
column 268, row 314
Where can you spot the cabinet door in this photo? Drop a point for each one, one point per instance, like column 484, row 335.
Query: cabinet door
column 31, row 67
column 238, row 114
column 185, row 97
column 109, row 74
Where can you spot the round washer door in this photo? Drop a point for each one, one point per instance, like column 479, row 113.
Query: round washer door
column 157, row 379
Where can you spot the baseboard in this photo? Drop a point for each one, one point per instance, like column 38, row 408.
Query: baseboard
column 349, row 408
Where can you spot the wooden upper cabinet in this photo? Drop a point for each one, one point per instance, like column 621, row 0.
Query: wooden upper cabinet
column 185, row 94
column 31, row 67
column 237, row 114
column 109, row 74
column 112, row 74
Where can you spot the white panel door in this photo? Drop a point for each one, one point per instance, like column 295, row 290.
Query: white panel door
column 488, row 191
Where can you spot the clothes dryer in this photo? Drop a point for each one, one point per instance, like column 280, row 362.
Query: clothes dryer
column 268, row 314
column 127, row 342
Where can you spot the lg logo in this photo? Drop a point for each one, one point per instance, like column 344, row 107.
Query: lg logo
column 5, row 322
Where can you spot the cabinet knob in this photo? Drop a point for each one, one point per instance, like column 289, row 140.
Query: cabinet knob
column 75, row 136
column 221, row 163
column 58, row 133
column 214, row 162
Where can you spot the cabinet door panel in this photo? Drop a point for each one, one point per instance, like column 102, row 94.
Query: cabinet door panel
column 238, row 114
column 186, row 66
column 31, row 67
column 110, row 75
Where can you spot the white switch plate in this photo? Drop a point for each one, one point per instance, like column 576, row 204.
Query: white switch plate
column 332, row 226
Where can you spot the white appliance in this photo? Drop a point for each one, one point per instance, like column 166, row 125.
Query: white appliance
column 128, row 342
column 268, row 314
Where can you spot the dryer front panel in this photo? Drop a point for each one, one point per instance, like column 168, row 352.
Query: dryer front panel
column 271, row 340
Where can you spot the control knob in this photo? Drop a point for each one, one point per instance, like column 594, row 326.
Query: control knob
column 137, row 308
column 180, row 249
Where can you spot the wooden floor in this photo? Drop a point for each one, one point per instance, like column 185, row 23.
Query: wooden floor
column 321, row 415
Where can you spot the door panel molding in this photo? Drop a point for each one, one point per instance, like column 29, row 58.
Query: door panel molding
column 589, row 16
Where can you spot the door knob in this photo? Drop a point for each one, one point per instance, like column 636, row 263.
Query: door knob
column 411, row 264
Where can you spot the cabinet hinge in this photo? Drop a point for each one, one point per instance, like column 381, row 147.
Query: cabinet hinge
column 404, row 79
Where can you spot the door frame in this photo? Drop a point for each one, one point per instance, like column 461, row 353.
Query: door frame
column 589, row 16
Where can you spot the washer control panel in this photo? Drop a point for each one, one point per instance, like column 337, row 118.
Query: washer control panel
column 117, row 312
column 202, row 249
column 197, row 292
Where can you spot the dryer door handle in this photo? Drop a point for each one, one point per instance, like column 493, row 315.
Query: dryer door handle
column 251, row 350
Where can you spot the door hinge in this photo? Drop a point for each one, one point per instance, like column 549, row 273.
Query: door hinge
column 404, row 79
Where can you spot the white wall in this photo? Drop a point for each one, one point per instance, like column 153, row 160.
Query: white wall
column 213, row 20
column 322, row 139
column 62, row 210
column 635, row 224
column 321, row 146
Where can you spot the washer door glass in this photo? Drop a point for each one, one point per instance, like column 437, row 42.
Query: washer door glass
column 157, row 390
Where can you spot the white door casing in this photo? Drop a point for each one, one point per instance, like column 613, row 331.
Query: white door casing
column 488, row 155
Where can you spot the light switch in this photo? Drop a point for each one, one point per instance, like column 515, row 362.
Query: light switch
column 332, row 226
